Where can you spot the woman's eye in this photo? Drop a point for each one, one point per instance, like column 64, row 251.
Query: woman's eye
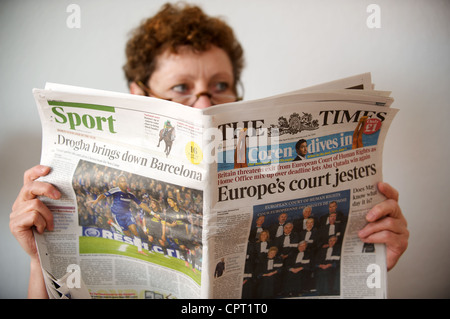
column 221, row 87
column 181, row 88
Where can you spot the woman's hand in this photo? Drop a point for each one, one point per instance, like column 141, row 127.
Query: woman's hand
column 387, row 225
column 29, row 212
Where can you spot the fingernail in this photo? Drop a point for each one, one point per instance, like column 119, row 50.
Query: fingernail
column 43, row 168
column 370, row 216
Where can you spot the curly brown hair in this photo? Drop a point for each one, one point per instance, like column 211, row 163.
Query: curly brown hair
column 174, row 26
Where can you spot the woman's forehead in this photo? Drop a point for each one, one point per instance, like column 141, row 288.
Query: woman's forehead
column 189, row 63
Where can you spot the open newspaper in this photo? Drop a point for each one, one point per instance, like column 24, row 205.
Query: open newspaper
column 257, row 199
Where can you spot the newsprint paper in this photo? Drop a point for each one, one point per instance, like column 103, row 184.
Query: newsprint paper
column 257, row 199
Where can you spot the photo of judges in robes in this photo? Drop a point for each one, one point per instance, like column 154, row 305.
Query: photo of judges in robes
column 294, row 249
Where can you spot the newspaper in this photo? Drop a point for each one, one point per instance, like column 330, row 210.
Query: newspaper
column 164, row 201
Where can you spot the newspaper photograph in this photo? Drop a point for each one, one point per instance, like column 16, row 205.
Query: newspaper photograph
column 257, row 199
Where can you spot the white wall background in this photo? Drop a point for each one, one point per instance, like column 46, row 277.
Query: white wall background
column 289, row 44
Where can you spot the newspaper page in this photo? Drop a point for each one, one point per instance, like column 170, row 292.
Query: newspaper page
column 130, row 216
column 164, row 201
column 300, row 181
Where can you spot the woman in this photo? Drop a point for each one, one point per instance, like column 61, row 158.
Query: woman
column 262, row 245
column 185, row 56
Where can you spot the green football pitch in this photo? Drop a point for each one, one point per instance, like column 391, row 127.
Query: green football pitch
column 98, row 245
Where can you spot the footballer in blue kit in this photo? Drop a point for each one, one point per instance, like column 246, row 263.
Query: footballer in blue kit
column 121, row 209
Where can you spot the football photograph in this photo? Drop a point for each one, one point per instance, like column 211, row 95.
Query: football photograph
column 130, row 215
